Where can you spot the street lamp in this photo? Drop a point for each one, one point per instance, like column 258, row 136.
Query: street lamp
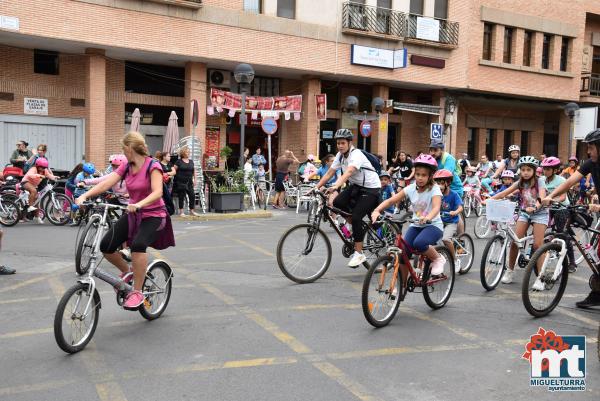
column 570, row 110
column 244, row 75
column 351, row 104
column 377, row 105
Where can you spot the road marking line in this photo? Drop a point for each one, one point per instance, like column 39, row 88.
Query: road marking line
column 199, row 248
column 21, row 300
column 402, row 350
column 227, row 262
column 24, row 283
column 93, row 360
column 249, row 245
column 341, row 378
column 456, row 330
column 590, row 322
column 577, row 278
column 311, row 307
column 26, row 333
column 27, row 388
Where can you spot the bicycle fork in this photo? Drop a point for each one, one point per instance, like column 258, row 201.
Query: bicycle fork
column 561, row 258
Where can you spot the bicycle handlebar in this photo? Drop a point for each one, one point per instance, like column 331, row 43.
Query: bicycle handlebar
column 98, row 202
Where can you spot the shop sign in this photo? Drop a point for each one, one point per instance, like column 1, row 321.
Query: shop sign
column 428, row 29
column 211, row 156
column 327, row 134
column 7, row 22
column 35, row 106
column 375, row 57
column 585, row 121
column 321, row 100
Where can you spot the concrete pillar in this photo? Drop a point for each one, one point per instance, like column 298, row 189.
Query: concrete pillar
column 518, row 44
column 379, row 139
column 498, row 43
column 309, row 125
column 499, row 144
column 481, row 136
column 537, row 46
column 96, row 107
column 555, row 47
column 195, row 88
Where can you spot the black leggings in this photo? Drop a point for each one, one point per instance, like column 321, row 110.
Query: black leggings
column 189, row 190
column 118, row 233
column 360, row 203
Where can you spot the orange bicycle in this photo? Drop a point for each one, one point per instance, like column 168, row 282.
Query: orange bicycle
column 392, row 275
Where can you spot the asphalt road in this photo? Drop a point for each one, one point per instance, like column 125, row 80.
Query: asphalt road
column 237, row 329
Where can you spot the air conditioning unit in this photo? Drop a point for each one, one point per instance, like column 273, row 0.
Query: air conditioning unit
column 219, row 79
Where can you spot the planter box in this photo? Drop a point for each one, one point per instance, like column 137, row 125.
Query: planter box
column 227, row 201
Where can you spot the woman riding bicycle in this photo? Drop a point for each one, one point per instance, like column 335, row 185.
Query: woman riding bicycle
column 511, row 163
column 147, row 222
column 426, row 197
column 33, row 181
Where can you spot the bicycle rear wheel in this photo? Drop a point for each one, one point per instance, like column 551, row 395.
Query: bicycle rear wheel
column 377, row 241
column 493, row 262
column 465, row 252
column 58, row 209
column 73, row 327
column 85, row 246
column 541, row 302
column 438, row 289
column 304, row 253
column 467, row 206
column 9, row 213
column 157, row 289
column 380, row 301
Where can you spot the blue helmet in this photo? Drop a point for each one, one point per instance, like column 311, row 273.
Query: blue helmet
column 89, row 168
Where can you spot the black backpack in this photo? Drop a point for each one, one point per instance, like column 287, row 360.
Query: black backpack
column 166, row 196
column 374, row 160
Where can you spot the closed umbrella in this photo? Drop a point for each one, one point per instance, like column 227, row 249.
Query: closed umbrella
column 172, row 134
column 135, row 120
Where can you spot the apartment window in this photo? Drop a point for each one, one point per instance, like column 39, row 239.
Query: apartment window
column 524, row 142
column 441, row 9
column 472, row 142
column 416, row 7
column 253, row 6
column 508, row 138
column 489, row 142
column 546, row 52
column 45, row 62
column 487, row 42
column 384, row 4
column 286, row 8
column 527, row 48
column 508, row 37
column 564, row 54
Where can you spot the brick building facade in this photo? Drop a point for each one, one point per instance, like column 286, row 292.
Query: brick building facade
column 507, row 68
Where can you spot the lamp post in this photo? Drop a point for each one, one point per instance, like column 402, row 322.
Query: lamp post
column 244, row 75
column 570, row 110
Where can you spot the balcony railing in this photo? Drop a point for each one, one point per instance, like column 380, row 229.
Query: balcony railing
column 590, row 84
column 182, row 3
column 378, row 20
column 360, row 18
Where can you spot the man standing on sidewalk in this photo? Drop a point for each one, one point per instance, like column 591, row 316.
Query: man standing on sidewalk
column 282, row 164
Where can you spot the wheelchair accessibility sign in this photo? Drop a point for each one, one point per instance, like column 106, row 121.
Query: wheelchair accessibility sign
column 437, row 131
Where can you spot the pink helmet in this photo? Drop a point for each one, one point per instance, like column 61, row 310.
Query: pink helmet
column 539, row 170
column 573, row 159
column 41, row 162
column 118, row 160
column 508, row 174
column 551, row 162
column 426, row 160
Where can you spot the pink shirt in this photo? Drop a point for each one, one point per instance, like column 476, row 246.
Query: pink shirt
column 34, row 178
column 120, row 188
column 139, row 187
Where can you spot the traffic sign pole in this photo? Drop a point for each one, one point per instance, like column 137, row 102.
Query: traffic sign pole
column 269, row 126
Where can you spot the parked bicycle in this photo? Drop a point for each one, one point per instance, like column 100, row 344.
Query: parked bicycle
column 304, row 251
column 393, row 275
column 78, row 311
column 547, row 272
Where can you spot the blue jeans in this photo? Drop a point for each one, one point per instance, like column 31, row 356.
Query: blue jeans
column 486, row 183
column 419, row 238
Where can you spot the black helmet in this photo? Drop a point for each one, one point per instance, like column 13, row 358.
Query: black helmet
column 343, row 133
column 436, row 144
column 593, row 136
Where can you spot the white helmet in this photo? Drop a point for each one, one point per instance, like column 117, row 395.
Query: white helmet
column 512, row 148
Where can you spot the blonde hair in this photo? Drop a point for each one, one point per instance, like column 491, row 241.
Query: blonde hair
column 183, row 150
column 135, row 141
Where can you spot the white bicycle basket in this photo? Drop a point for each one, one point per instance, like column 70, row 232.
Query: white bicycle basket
column 500, row 210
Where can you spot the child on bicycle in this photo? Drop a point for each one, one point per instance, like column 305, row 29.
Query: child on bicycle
column 34, row 180
column 87, row 171
column 531, row 189
column 452, row 207
column 552, row 180
column 387, row 190
column 426, row 197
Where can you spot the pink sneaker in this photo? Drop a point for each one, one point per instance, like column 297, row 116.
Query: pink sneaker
column 133, row 300
column 127, row 277
column 437, row 266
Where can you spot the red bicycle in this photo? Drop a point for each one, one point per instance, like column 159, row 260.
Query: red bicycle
column 392, row 275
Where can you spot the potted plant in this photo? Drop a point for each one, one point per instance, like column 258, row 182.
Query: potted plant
column 225, row 154
column 228, row 189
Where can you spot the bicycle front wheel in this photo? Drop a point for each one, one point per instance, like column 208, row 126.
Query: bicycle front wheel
column 437, row 289
column 540, row 302
column 464, row 249
column 482, row 227
column 74, row 322
column 9, row 213
column 304, row 253
column 86, row 244
column 380, row 297
column 157, row 290
column 493, row 262
column 467, row 206
column 58, row 209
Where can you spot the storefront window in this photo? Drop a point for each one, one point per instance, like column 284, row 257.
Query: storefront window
column 45, row 62
column 332, row 90
column 524, row 142
column 286, row 8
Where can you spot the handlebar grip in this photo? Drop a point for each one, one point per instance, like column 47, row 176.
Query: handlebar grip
column 74, row 207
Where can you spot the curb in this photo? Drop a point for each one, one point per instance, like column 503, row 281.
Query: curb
column 226, row 216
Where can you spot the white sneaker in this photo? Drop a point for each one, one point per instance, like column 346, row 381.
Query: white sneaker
column 457, row 266
column 508, row 276
column 38, row 220
column 31, row 209
column 357, row 259
column 538, row 285
column 437, row 266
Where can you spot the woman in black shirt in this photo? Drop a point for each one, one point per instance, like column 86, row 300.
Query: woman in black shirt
column 185, row 181
column 402, row 168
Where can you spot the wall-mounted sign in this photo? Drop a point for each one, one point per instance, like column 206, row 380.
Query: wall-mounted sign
column 212, row 144
column 436, row 132
column 35, row 106
column 428, row 29
column 7, row 22
column 375, row 57
column 321, row 101
column 586, row 120
column 427, row 61
column 327, row 134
